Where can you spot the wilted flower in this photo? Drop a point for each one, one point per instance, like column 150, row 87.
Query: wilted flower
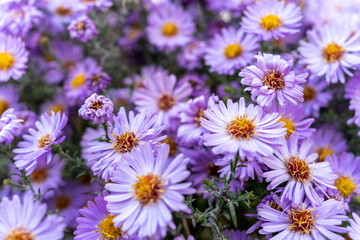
column 97, row 109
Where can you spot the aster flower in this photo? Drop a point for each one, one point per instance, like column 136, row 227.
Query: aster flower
column 294, row 165
column 347, row 169
column 9, row 124
column 190, row 130
column 97, row 108
column 326, row 141
column 239, row 129
column 38, row 143
column 169, row 26
column 272, row 19
column 120, row 97
column 82, row 29
column 354, row 228
column 316, row 96
column 191, row 55
column 198, row 85
column 63, row 11
column 98, row 81
column 295, row 122
column 272, row 79
column 126, row 135
column 89, row 135
column 13, row 58
column 144, row 194
column 230, row 50
column 27, row 219
column 28, row 117
column 9, row 98
column 304, row 222
column 331, row 51
column 161, row 95
column 96, row 223
column 58, row 104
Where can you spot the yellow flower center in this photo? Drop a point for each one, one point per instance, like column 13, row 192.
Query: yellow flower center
column 80, row 26
column 62, row 202
column 39, row 175
column 309, row 93
column 125, row 142
column 274, row 80
column 78, row 81
column 44, row 141
column 298, row 169
column 4, row 105
column 241, row 128
column 289, row 125
column 96, row 105
column 62, row 11
column 57, row 108
column 333, row 52
column 301, row 221
column 6, row 61
column 108, row 230
column 323, row 152
column 20, row 233
column 276, row 206
column 169, row 29
column 233, row 51
column 148, row 188
column 172, row 144
column 199, row 114
column 165, row 102
column 270, row 22
column 345, row 186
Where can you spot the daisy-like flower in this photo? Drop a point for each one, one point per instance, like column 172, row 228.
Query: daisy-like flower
column 326, row 141
column 126, row 135
column 144, row 193
column 9, row 124
column 27, row 219
column 161, row 95
column 97, row 108
column 96, row 222
column 190, row 130
column 240, row 129
column 272, row 19
column 354, row 228
column 304, row 222
column 39, row 141
column 347, row 169
column 169, row 26
column 293, row 165
column 295, row 122
column 13, row 57
column 82, row 29
column 230, row 50
column 272, row 79
column 316, row 96
column 331, row 51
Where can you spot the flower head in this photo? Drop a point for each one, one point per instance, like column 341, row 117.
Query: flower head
column 97, row 108
column 98, row 81
column 149, row 188
column 82, row 29
column 38, row 143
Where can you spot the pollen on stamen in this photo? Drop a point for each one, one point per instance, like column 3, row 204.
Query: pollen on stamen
column 44, row 141
column 323, row 152
column 199, row 114
column 301, row 220
column 96, row 105
column 270, row 22
column 345, row 186
column 62, row 11
column 274, row 80
column 78, row 81
column 20, row 233
column 39, row 175
column 298, row 169
column 309, row 93
column 149, row 188
column 166, row 102
column 125, row 142
column 169, row 29
column 241, row 128
column 333, row 52
column 108, row 230
column 289, row 125
column 233, row 51
column 6, row 61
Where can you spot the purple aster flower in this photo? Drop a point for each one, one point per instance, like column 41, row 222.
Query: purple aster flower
column 352, row 86
column 9, row 124
column 191, row 55
column 96, row 222
column 326, row 141
column 97, row 108
column 331, row 51
column 161, row 95
column 27, row 219
column 89, row 135
column 98, row 81
column 28, row 117
column 144, row 194
column 39, row 141
column 304, row 222
column 294, row 121
column 347, row 169
column 82, row 29
column 126, row 135
column 59, row 104
column 9, row 98
column 13, row 58
column 239, row 129
column 354, row 228
column 316, row 96
column 293, row 165
column 190, row 130
column 198, row 84
column 169, row 26
column 272, row 19
column 230, row 50
column 272, row 79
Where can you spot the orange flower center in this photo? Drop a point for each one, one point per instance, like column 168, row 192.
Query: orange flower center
column 62, row 202
column 309, row 93
column 44, row 141
column 274, row 80
column 125, row 142
column 301, row 221
column 20, row 233
column 165, row 102
column 108, row 230
column 6, row 61
column 298, row 169
column 333, row 52
column 169, row 29
column 62, row 11
column 39, row 175
column 96, row 105
column 241, row 128
column 233, row 51
column 148, row 188
column 270, row 22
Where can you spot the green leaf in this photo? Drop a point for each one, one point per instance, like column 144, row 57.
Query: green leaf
column 233, row 213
